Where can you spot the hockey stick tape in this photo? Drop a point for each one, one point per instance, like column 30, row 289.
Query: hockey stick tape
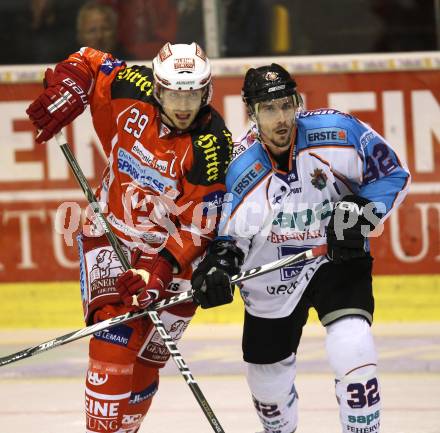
column 145, row 275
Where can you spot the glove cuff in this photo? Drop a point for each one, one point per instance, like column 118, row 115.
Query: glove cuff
column 68, row 70
column 229, row 257
column 352, row 198
column 154, row 264
column 361, row 203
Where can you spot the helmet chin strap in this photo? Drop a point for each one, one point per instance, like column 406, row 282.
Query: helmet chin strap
column 165, row 119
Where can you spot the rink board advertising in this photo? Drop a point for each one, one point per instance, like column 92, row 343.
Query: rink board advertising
column 40, row 202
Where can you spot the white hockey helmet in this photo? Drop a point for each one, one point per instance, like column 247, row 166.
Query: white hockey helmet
column 182, row 67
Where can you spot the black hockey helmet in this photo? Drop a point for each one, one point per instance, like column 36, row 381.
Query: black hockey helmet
column 268, row 82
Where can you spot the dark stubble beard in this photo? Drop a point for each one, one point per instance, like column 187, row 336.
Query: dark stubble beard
column 285, row 142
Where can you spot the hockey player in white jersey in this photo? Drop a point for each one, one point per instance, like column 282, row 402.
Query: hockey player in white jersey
column 300, row 179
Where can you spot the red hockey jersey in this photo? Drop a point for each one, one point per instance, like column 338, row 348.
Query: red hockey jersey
column 161, row 187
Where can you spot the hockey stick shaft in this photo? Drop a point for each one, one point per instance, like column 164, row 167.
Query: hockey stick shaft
column 153, row 315
column 321, row 250
column 174, row 300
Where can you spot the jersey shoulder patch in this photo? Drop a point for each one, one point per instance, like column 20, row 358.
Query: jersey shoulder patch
column 325, row 127
column 247, row 170
column 134, row 82
column 322, row 112
column 244, row 143
column 212, row 151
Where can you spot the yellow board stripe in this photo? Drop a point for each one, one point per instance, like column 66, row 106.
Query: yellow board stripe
column 406, row 298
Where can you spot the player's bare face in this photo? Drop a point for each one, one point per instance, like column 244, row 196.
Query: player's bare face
column 181, row 106
column 276, row 120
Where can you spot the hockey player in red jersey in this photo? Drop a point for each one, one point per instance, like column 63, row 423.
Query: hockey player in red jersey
column 167, row 152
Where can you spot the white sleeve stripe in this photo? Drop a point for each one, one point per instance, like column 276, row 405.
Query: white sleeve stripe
column 60, row 101
column 107, row 396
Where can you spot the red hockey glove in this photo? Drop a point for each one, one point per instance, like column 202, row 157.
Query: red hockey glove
column 141, row 286
column 64, row 98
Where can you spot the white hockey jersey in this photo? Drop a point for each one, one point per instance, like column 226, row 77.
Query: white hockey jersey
column 271, row 213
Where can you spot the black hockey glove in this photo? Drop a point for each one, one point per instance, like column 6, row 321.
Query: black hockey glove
column 352, row 220
column 211, row 281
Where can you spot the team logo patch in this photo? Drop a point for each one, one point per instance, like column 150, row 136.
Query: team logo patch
column 271, row 76
column 326, row 135
column 319, row 179
column 108, row 65
column 250, row 176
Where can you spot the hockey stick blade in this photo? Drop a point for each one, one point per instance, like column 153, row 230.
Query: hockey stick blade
column 173, row 300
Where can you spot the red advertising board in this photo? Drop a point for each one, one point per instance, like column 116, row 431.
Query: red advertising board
column 37, row 190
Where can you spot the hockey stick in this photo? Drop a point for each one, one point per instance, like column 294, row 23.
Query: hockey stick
column 177, row 299
column 152, row 314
